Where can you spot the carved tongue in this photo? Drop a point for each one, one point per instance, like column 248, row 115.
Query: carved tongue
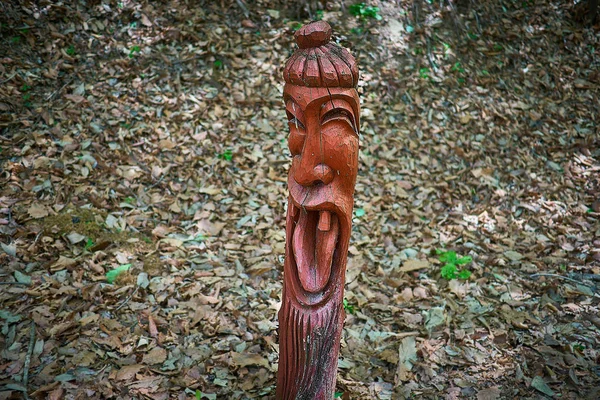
column 313, row 244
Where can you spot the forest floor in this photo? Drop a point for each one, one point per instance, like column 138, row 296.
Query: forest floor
column 149, row 138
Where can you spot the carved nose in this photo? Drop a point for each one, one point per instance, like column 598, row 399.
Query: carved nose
column 307, row 175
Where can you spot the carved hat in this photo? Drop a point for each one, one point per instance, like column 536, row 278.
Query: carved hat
column 319, row 63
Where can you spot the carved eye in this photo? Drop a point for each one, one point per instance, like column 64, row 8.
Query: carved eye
column 297, row 136
column 338, row 115
column 295, row 123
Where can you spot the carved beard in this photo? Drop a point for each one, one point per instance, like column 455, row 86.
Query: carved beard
column 311, row 315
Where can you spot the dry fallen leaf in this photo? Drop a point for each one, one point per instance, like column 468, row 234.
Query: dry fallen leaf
column 37, row 210
column 245, row 359
column 128, row 372
column 62, row 263
column 157, row 355
column 414, row 265
column 492, row 393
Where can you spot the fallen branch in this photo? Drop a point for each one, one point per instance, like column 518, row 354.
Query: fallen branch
column 8, row 79
column 127, row 299
column 563, row 277
column 28, row 358
column 51, row 96
column 591, row 277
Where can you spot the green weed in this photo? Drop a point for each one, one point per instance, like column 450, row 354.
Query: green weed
column 349, row 308
column 457, row 68
column 89, row 243
column 134, row 50
column 364, row 12
column 227, row 155
column 451, row 261
column 70, row 50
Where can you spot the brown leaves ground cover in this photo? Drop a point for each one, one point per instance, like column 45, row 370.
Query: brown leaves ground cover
column 150, row 137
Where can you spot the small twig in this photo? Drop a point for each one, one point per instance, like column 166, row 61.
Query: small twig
column 431, row 63
column 406, row 334
column 28, row 358
column 58, row 90
column 241, row 4
column 156, row 183
column 15, row 283
column 591, row 277
column 8, row 79
column 563, row 277
column 127, row 299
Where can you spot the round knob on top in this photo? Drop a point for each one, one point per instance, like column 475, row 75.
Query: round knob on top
column 314, row 34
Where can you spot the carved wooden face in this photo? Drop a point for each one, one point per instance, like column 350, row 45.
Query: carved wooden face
column 323, row 141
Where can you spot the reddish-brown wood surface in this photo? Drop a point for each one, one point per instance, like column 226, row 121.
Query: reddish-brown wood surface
column 323, row 111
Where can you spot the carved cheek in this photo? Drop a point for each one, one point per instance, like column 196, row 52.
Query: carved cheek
column 341, row 149
column 296, row 141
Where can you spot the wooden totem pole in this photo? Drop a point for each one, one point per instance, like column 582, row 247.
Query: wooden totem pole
column 323, row 111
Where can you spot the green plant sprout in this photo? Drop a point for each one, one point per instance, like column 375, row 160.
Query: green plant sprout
column 26, row 96
column 134, row 50
column 70, row 50
column 218, row 64
column 349, row 308
column 112, row 275
column 363, row 11
column 227, row 155
column 457, row 68
column 424, row 73
column 451, row 262
column 89, row 243
column 319, row 15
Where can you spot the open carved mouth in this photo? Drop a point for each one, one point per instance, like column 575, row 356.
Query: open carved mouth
column 314, row 239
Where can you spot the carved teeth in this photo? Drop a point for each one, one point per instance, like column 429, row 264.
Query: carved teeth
column 324, row 221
